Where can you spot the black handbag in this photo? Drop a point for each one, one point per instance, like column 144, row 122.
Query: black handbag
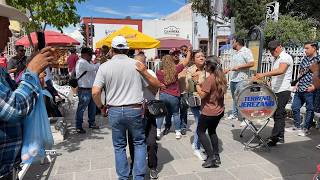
column 157, row 108
column 193, row 101
column 73, row 81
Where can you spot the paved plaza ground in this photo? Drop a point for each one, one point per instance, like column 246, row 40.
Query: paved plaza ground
column 90, row 156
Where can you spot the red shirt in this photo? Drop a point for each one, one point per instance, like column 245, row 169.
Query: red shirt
column 173, row 88
column 3, row 62
column 72, row 61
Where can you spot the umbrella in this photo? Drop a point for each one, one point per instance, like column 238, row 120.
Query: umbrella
column 52, row 39
column 136, row 39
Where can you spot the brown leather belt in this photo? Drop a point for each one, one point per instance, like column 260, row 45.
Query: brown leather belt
column 129, row 106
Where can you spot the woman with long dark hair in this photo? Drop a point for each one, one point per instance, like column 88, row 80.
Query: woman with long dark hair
column 212, row 92
column 168, row 75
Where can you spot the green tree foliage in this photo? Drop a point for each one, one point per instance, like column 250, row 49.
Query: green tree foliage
column 56, row 13
column 247, row 13
column 204, row 8
column 290, row 30
column 307, row 9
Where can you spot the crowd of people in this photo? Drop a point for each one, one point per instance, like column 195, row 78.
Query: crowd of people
column 120, row 86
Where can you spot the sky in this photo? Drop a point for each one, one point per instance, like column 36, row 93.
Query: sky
column 139, row 9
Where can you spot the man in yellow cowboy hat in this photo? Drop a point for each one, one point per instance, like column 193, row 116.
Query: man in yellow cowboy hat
column 16, row 101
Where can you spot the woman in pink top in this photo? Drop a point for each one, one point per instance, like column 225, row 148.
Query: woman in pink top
column 168, row 75
column 212, row 92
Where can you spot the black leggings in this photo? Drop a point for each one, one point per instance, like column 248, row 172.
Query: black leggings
column 210, row 123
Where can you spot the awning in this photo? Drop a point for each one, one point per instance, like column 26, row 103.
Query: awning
column 225, row 47
column 173, row 42
column 52, row 38
column 136, row 39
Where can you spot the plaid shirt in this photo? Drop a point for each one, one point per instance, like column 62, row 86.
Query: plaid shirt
column 306, row 81
column 14, row 107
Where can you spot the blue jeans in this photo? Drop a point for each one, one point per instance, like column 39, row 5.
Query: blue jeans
column 122, row 119
column 85, row 100
column 299, row 99
column 233, row 88
column 172, row 103
column 196, row 114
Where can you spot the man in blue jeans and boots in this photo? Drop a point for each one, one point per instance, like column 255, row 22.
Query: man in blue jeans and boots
column 304, row 92
column 124, row 94
column 242, row 60
column 86, row 73
column 281, row 75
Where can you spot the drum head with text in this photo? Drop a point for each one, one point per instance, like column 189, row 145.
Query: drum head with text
column 256, row 101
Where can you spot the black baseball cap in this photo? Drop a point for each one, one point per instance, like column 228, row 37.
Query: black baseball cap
column 87, row 50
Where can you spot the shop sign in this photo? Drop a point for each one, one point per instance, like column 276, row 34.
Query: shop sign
column 171, row 30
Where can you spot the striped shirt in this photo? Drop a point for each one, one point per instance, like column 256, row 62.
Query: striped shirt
column 15, row 104
column 306, row 81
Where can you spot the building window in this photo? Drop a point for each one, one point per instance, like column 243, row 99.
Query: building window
column 203, row 44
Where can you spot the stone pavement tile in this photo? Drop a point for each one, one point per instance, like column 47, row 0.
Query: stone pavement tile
column 299, row 177
column 181, row 177
column 69, row 176
column 227, row 162
column 102, row 163
column 216, row 175
column 167, row 154
column 271, row 169
column 249, row 172
column 245, row 158
column 185, row 166
column 298, row 166
column 73, row 166
column 102, row 174
column 166, row 170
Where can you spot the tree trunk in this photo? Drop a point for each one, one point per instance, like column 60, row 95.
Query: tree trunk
column 210, row 35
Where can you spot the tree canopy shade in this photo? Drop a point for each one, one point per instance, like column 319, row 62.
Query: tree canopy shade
column 291, row 31
column 56, row 13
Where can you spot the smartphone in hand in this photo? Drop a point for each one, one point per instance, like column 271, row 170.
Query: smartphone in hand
column 41, row 40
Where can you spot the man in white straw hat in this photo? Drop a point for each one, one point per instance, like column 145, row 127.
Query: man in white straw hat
column 16, row 101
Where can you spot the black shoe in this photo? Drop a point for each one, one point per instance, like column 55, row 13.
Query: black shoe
column 210, row 163
column 281, row 140
column 154, row 174
column 218, row 160
column 166, row 131
column 184, row 131
column 80, row 131
column 93, row 126
column 272, row 143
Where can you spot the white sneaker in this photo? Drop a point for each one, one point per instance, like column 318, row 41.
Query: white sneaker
column 304, row 132
column 292, row 129
column 178, row 135
column 158, row 133
column 199, row 154
column 232, row 117
column 243, row 123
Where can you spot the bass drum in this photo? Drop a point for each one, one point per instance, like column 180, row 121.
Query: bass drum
column 255, row 101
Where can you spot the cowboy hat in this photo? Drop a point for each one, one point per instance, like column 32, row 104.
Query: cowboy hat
column 11, row 12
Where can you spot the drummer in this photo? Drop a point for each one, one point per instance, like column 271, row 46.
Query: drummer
column 242, row 61
column 281, row 75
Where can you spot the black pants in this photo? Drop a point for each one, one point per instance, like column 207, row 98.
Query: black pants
column 209, row 123
column 152, row 146
column 280, row 115
column 183, row 111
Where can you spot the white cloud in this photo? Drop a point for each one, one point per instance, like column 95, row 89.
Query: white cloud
column 134, row 11
column 107, row 10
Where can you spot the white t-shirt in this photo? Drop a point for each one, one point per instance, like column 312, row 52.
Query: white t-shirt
column 282, row 82
column 147, row 94
column 243, row 56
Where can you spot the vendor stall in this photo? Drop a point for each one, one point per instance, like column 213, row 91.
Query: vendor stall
column 62, row 43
